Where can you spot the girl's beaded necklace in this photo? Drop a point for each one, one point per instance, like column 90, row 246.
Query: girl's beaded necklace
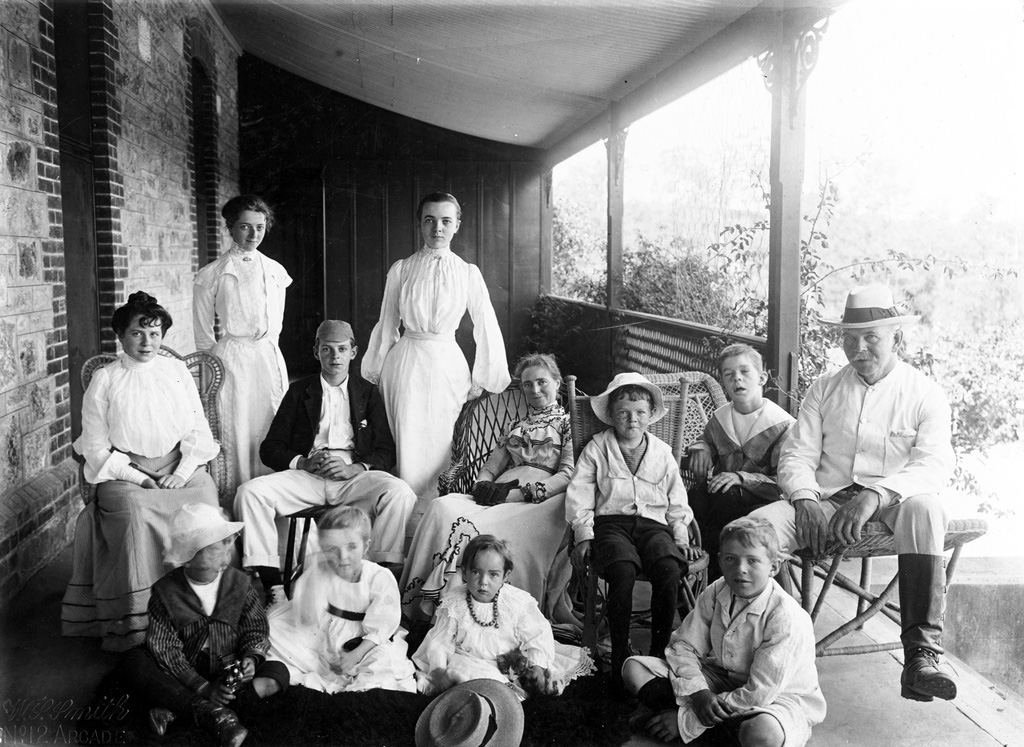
column 494, row 607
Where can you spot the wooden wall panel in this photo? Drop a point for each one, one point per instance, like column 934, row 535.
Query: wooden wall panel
column 525, row 258
column 494, row 237
column 370, row 248
column 464, row 184
column 339, row 223
column 403, row 233
column 296, row 241
column 431, row 176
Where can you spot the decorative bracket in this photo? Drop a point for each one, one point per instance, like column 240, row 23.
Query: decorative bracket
column 804, row 50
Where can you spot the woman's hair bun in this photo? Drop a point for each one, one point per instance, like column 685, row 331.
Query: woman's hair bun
column 141, row 297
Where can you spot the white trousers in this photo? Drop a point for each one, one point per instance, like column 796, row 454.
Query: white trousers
column 918, row 523
column 386, row 499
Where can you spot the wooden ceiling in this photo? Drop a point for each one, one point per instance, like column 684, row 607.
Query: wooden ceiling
column 515, row 71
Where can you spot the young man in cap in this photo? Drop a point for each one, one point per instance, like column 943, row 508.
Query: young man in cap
column 329, row 443
column 872, row 442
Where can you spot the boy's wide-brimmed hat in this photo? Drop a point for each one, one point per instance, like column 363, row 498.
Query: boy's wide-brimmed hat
column 478, row 713
column 195, row 526
column 601, row 404
column 870, row 306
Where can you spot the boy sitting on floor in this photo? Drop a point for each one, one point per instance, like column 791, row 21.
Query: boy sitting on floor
column 743, row 659
column 627, row 498
column 736, row 460
column 208, row 633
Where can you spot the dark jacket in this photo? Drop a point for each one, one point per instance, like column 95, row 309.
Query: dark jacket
column 298, row 420
column 179, row 628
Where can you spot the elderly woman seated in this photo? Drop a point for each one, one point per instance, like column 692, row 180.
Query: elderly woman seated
column 145, row 441
column 519, row 496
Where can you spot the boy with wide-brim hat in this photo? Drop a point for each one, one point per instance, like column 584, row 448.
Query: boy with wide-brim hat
column 889, row 454
column 208, row 633
column 628, row 510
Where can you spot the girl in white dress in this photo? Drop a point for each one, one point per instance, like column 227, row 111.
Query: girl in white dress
column 340, row 632
column 487, row 629
column 423, row 375
column 244, row 290
column 145, row 440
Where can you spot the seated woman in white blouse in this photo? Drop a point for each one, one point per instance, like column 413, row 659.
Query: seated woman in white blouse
column 145, row 441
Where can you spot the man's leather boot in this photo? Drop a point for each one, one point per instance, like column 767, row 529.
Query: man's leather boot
column 922, row 601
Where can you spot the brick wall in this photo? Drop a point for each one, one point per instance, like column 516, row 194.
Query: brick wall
column 140, row 64
column 150, row 123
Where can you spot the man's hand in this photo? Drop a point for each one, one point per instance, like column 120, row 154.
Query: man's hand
column 849, row 520
column 665, row 725
column 170, row 482
column 335, row 468
column 581, row 555
column 311, row 463
column 700, row 464
column 711, row 709
column 723, row 481
column 811, row 527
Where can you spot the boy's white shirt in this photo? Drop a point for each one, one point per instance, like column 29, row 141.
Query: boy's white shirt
column 207, row 593
column 655, row 492
column 767, row 649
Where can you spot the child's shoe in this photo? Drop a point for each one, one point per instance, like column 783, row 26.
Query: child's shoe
column 160, row 719
column 219, row 721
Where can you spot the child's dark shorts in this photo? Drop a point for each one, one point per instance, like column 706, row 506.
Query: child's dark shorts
column 636, row 539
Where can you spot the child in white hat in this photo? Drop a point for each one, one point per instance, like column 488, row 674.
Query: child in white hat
column 208, row 634
column 628, row 510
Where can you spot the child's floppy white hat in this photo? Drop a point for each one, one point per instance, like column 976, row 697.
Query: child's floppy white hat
column 193, row 527
column 870, row 306
column 478, row 713
column 601, row 405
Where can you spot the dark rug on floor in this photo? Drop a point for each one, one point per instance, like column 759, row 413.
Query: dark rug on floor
column 585, row 714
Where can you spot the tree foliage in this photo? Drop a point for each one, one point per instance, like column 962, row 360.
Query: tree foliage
column 717, row 285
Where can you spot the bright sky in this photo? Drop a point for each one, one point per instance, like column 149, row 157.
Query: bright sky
column 929, row 90
column 928, row 93
column 933, row 86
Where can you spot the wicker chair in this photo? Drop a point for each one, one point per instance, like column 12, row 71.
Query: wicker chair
column 688, row 412
column 208, row 372
column 481, row 423
column 876, row 541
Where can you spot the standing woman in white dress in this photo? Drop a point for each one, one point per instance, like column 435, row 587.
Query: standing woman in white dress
column 245, row 290
column 423, row 375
